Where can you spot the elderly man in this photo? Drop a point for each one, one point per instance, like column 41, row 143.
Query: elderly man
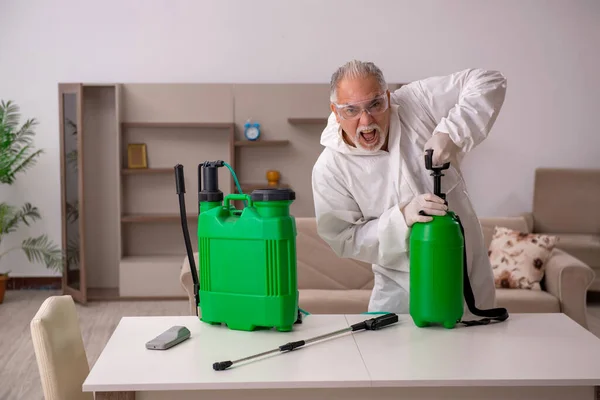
column 370, row 182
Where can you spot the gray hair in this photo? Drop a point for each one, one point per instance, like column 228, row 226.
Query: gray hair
column 355, row 69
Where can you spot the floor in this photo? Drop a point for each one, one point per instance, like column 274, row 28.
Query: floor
column 98, row 320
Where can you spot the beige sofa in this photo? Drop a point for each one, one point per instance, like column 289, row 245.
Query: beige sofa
column 332, row 285
column 566, row 203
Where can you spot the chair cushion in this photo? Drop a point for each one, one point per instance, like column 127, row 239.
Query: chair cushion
column 316, row 301
column 527, row 301
column 519, row 259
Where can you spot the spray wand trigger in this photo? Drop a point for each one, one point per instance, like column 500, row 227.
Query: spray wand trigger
column 375, row 324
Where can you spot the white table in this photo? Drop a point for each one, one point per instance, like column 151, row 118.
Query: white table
column 529, row 356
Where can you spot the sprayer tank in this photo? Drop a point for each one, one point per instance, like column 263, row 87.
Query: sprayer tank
column 247, row 261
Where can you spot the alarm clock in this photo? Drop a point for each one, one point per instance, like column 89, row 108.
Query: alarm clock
column 252, row 130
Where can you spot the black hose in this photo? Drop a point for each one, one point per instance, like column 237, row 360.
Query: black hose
column 497, row 314
column 180, row 185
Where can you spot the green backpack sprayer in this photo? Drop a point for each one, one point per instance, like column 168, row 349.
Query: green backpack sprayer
column 247, row 258
column 438, row 268
column 247, row 261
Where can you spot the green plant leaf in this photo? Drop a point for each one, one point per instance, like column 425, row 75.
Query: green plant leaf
column 17, row 153
column 24, row 136
column 41, row 249
column 7, row 215
column 9, row 114
column 10, row 217
column 24, row 163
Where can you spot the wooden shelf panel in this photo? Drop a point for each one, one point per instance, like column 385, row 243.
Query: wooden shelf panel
column 142, row 218
column 147, row 171
column 306, row 121
column 261, row 143
column 141, row 124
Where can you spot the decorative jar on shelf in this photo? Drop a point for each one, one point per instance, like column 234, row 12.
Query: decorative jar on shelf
column 273, row 178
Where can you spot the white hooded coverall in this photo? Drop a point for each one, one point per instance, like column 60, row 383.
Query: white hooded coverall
column 358, row 194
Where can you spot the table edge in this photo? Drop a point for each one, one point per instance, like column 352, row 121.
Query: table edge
column 227, row 386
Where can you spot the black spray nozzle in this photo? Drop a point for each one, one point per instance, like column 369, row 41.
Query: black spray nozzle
column 208, row 171
column 437, row 173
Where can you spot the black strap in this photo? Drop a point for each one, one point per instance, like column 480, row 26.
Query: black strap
column 492, row 314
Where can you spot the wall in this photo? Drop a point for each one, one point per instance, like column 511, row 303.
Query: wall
column 548, row 51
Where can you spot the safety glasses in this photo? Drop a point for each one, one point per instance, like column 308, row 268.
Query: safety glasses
column 353, row 111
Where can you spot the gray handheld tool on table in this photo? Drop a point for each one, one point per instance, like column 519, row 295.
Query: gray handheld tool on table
column 169, row 338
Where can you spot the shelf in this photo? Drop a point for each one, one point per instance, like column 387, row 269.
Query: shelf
column 141, row 218
column 249, row 187
column 306, row 121
column 147, row 171
column 260, row 143
column 216, row 125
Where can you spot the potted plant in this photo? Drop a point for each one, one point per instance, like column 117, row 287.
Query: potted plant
column 17, row 155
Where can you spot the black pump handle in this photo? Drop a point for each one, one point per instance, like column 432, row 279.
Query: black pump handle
column 437, row 173
column 429, row 162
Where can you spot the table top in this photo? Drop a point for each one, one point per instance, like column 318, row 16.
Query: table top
column 125, row 363
column 526, row 349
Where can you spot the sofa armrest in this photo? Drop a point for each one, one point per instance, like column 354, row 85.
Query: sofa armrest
column 185, row 278
column 568, row 279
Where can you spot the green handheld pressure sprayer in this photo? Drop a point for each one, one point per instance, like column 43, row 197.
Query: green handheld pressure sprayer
column 246, row 277
column 438, row 268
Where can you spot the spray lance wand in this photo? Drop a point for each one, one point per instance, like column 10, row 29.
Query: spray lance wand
column 372, row 324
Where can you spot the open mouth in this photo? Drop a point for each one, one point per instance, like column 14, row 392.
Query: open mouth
column 369, row 136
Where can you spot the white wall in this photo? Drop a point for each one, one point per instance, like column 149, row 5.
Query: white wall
column 549, row 51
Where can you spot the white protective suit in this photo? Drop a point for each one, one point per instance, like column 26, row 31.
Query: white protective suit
column 358, row 194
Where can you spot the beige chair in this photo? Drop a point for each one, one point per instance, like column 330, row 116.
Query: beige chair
column 59, row 350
